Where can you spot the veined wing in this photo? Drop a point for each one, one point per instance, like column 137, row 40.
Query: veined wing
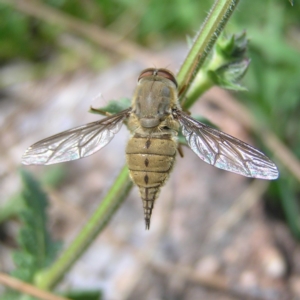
column 75, row 143
column 224, row 151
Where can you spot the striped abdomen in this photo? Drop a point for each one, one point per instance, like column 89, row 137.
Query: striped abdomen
column 150, row 160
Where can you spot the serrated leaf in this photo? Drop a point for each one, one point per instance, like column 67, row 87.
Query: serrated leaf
column 37, row 250
column 14, row 205
column 233, row 47
column 228, row 75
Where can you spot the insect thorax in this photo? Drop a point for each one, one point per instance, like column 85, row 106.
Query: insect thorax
column 153, row 100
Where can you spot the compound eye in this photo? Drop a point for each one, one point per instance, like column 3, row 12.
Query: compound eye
column 165, row 92
column 147, row 72
column 167, row 74
column 158, row 72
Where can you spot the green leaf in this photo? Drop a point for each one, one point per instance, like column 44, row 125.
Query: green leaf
column 229, row 62
column 53, row 176
column 113, row 107
column 84, row 295
column 225, row 67
column 37, row 250
column 233, row 47
column 227, row 76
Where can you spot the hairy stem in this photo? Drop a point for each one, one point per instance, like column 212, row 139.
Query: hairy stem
column 203, row 43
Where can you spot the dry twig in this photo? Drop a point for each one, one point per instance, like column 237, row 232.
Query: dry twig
column 217, row 282
column 212, row 281
column 251, row 195
column 27, row 288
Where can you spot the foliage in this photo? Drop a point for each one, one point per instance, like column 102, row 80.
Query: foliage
column 24, row 37
column 273, row 93
column 36, row 250
column 12, row 208
column 84, row 295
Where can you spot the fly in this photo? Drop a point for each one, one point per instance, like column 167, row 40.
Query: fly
column 154, row 120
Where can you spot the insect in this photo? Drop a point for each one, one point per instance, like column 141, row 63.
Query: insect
column 154, row 120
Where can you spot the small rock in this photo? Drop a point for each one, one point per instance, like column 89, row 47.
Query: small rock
column 273, row 262
column 208, row 265
column 248, row 279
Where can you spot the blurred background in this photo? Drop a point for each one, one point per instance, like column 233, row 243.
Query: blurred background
column 214, row 235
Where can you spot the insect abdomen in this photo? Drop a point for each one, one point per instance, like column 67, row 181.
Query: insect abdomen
column 150, row 161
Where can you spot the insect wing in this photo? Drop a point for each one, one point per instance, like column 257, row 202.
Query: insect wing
column 75, row 143
column 224, row 151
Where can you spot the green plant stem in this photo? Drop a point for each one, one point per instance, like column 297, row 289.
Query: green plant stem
column 201, row 84
column 115, row 196
column 205, row 39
